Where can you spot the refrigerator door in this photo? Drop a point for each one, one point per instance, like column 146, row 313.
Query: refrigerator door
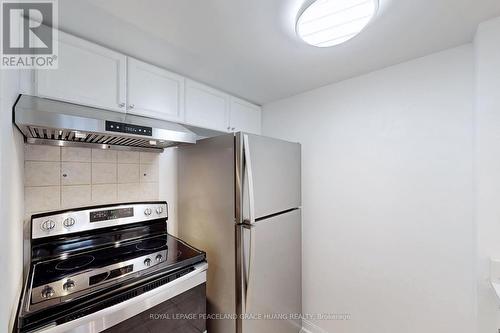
column 270, row 274
column 206, row 219
column 268, row 173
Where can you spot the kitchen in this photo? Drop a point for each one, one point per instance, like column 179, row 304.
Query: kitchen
column 384, row 164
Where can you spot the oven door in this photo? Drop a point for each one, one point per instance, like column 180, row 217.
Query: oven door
column 183, row 313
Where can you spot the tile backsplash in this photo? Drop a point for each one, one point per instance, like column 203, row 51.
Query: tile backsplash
column 67, row 177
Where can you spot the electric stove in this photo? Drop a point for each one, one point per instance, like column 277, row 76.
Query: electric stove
column 89, row 259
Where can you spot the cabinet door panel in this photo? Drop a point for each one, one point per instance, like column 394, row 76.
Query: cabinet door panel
column 154, row 92
column 87, row 74
column 244, row 116
column 206, row 107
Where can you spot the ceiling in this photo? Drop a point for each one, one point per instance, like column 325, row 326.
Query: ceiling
column 249, row 47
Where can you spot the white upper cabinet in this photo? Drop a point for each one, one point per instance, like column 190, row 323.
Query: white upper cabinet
column 154, row 92
column 244, row 116
column 87, row 74
column 206, row 107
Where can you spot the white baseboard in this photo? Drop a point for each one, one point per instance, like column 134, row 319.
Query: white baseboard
column 308, row 327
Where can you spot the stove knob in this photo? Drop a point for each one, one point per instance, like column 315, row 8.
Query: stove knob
column 147, row 211
column 159, row 258
column 48, row 225
column 69, row 222
column 69, row 285
column 159, row 210
column 147, row 262
column 48, row 292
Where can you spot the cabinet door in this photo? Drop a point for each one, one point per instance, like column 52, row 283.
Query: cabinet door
column 244, row 116
column 154, row 92
column 206, row 107
column 87, row 74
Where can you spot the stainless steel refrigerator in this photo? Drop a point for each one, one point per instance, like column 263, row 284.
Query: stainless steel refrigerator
column 239, row 198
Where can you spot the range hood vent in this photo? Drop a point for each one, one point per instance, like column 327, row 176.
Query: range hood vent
column 45, row 121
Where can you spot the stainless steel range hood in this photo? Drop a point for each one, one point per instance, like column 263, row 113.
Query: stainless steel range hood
column 45, row 121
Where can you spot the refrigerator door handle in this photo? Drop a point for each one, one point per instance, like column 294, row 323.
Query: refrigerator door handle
column 248, row 262
column 249, row 174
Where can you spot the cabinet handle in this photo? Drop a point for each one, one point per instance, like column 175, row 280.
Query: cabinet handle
column 131, row 106
column 232, row 129
column 228, row 128
column 122, row 105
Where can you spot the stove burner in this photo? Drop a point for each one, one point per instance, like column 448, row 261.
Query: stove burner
column 152, row 244
column 73, row 263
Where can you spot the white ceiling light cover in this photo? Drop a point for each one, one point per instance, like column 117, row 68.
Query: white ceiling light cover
column 331, row 22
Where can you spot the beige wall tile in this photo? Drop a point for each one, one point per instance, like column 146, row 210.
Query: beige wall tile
column 128, row 156
column 149, row 191
column 104, row 193
column 41, row 153
column 75, row 173
column 104, row 173
column 42, row 173
column 75, row 196
column 129, row 192
column 43, row 198
column 93, row 177
column 104, row 156
column 76, row 154
column 128, row 173
column 149, row 173
column 149, row 157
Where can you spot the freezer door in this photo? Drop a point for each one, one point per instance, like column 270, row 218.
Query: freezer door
column 270, row 176
column 269, row 274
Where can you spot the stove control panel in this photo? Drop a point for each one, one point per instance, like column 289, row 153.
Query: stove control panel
column 71, row 221
column 96, row 277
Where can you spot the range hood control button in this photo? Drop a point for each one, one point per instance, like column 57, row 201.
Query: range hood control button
column 147, row 211
column 147, row 262
column 159, row 210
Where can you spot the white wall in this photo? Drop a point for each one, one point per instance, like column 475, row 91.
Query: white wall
column 388, row 196
column 168, row 186
column 487, row 47
column 11, row 201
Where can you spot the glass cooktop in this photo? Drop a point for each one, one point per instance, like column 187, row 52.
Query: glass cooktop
column 63, row 267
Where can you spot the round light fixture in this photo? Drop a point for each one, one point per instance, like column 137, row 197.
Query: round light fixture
column 331, row 22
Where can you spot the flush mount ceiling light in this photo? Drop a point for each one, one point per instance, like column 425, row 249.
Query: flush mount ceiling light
column 331, row 22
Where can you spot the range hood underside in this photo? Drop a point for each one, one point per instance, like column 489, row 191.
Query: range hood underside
column 48, row 122
column 65, row 138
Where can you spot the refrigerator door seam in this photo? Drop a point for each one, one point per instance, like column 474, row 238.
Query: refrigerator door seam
column 275, row 214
